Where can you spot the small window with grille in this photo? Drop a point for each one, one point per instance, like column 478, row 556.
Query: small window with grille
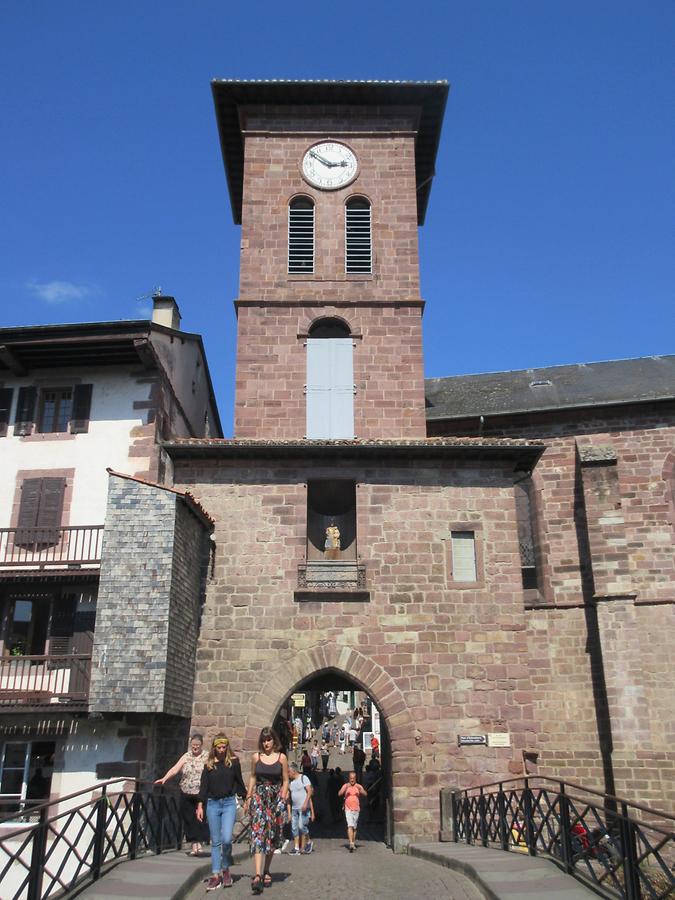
column 358, row 243
column 301, row 236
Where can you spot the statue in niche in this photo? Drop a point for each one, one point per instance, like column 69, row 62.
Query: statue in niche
column 332, row 542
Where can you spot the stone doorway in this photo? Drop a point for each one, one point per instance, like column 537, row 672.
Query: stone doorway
column 332, row 704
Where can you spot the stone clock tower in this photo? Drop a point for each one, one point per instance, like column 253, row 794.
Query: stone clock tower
column 350, row 551
column 329, row 181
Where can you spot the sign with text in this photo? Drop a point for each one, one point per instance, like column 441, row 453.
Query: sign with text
column 499, row 739
column 298, row 699
column 470, row 740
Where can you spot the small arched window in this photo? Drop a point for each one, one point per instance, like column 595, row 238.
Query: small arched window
column 330, row 381
column 358, row 243
column 300, row 236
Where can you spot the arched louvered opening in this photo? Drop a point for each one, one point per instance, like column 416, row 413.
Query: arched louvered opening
column 358, row 238
column 301, row 236
column 329, row 327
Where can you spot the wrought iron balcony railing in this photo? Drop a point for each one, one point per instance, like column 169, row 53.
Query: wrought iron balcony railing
column 43, row 547
column 44, row 681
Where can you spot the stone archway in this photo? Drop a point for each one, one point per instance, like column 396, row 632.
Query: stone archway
column 404, row 737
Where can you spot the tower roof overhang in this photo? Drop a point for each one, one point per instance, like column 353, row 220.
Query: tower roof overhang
column 521, row 454
column 230, row 95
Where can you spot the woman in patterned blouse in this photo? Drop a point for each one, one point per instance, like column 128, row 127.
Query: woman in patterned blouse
column 190, row 766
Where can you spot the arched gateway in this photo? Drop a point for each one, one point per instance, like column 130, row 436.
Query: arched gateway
column 331, row 661
column 343, row 661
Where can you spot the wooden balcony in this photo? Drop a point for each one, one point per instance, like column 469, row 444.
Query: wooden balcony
column 44, row 682
column 73, row 546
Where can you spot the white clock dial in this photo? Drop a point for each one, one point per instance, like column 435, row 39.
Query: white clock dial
column 329, row 165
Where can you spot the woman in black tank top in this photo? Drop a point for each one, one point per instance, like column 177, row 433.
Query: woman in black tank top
column 266, row 804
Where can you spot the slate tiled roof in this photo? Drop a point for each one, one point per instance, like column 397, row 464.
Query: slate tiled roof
column 616, row 382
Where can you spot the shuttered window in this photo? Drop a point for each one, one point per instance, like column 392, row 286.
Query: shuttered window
column 6, row 395
column 330, row 388
column 40, row 510
column 81, row 411
column 24, row 419
column 301, row 236
column 463, row 556
column 358, row 249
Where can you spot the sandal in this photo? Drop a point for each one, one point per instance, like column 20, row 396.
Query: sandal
column 267, row 880
column 256, row 885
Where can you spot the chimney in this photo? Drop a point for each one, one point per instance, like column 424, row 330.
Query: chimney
column 165, row 311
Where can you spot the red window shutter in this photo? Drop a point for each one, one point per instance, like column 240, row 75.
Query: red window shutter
column 30, row 502
column 40, row 510
column 51, row 509
column 79, row 423
column 5, row 407
column 24, row 420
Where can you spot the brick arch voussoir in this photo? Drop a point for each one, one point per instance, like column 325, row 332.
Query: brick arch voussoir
column 347, row 661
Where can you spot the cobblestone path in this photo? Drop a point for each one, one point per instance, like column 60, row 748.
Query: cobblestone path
column 332, row 873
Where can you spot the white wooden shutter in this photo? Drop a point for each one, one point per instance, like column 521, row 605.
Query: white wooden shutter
column 463, row 556
column 330, row 388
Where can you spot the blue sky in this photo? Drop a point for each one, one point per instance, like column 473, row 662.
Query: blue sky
column 550, row 232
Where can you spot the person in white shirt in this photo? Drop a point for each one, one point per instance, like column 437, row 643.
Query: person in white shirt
column 300, row 808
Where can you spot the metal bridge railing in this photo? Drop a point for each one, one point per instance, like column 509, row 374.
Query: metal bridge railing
column 619, row 849
column 73, row 839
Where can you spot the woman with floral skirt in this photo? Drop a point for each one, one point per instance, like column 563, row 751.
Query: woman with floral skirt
column 266, row 804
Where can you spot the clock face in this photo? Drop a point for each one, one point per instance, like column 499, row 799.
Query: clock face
column 329, row 165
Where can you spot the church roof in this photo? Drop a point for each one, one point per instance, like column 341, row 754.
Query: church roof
column 229, row 95
column 616, row 382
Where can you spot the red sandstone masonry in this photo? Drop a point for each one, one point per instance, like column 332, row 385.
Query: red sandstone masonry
column 439, row 660
column 271, row 361
column 275, row 310
column 636, row 636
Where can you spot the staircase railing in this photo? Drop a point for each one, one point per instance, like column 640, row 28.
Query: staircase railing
column 65, row 842
column 619, row 849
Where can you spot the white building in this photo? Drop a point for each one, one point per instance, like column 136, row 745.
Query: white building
column 76, row 400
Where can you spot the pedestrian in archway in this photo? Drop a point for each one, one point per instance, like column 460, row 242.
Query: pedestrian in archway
column 221, row 781
column 265, row 802
column 190, row 765
column 358, row 761
column 325, row 755
column 352, row 792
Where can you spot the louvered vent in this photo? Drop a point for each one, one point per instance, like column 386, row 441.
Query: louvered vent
column 358, row 245
column 300, row 236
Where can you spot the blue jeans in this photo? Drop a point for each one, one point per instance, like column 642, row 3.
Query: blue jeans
column 221, row 815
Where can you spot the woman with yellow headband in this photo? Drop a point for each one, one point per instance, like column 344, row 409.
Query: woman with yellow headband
column 221, row 782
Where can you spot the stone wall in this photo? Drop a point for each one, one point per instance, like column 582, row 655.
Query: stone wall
column 385, row 148
column 271, row 370
column 439, row 658
column 148, row 602
column 184, row 610
column 599, row 641
column 383, row 308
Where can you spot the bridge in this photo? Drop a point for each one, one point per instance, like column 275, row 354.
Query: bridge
column 506, row 840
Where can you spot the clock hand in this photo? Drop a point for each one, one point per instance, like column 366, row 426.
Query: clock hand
column 321, row 159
